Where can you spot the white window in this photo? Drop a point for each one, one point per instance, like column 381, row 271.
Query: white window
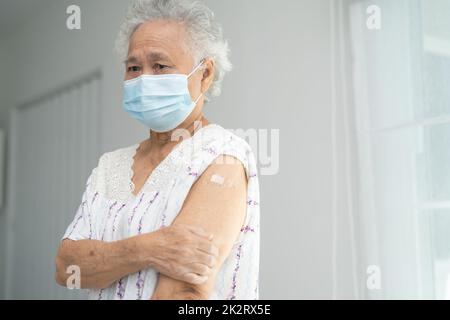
column 402, row 104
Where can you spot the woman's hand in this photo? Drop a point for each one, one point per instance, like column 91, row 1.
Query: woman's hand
column 181, row 252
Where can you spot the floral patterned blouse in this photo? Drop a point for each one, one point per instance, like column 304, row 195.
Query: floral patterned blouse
column 109, row 211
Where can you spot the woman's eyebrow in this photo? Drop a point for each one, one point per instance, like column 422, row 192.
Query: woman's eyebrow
column 151, row 57
column 131, row 60
column 158, row 56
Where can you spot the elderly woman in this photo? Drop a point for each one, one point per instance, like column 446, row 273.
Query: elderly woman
column 175, row 216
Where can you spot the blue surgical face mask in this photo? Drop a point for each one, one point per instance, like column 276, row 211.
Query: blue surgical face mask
column 161, row 102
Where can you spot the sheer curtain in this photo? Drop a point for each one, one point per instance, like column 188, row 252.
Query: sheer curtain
column 401, row 75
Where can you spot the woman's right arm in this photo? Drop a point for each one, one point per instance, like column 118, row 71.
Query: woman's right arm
column 181, row 252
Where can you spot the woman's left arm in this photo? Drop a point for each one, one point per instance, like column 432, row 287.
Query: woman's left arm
column 216, row 202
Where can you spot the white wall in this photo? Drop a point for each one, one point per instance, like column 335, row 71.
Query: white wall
column 284, row 78
column 4, row 102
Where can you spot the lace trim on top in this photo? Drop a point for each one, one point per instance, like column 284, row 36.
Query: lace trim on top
column 118, row 173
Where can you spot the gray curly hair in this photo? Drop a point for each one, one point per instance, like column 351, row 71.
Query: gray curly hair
column 205, row 34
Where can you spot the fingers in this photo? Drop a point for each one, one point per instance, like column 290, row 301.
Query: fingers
column 199, row 231
column 199, row 269
column 208, row 248
column 191, row 253
column 206, row 259
column 194, row 278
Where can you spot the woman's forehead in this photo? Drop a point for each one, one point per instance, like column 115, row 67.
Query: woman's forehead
column 161, row 39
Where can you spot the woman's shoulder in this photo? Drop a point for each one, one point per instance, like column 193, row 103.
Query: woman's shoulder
column 113, row 171
column 118, row 154
column 227, row 138
column 221, row 141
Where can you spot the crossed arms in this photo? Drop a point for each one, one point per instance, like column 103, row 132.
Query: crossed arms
column 188, row 254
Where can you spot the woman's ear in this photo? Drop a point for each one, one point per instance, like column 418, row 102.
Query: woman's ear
column 208, row 74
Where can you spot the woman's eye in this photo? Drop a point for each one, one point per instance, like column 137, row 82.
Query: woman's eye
column 134, row 69
column 159, row 66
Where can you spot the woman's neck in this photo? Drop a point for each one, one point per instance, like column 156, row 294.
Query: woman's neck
column 159, row 140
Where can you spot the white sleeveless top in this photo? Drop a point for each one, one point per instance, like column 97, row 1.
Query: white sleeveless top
column 109, row 211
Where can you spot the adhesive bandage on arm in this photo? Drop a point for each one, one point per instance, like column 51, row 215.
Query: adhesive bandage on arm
column 217, row 179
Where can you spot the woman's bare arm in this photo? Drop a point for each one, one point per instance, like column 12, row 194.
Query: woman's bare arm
column 102, row 263
column 217, row 203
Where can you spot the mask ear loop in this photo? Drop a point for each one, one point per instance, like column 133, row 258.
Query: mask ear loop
column 196, row 101
column 196, row 68
column 192, row 72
